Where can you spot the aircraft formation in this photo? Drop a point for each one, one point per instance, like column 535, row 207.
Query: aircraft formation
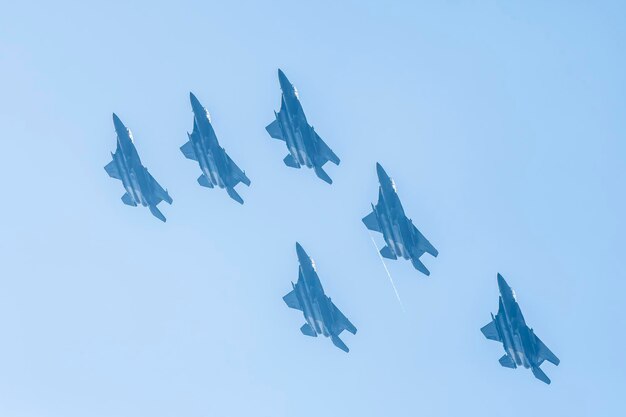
column 306, row 148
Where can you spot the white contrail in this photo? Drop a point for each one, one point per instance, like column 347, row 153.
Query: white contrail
column 388, row 274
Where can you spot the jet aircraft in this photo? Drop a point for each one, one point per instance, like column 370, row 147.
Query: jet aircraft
column 217, row 167
column 402, row 237
column 304, row 144
column 141, row 187
column 522, row 347
column 321, row 315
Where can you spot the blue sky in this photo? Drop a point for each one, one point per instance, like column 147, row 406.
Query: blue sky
column 502, row 125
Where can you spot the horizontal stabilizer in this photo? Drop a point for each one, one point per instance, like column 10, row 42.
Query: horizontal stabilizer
column 233, row 194
column 386, row 252
column 339, row 343
column 156, row 213
column 491, row 331
column 371, row 222
column 540, row 375
column 292, row 301
column 290, row 161
column 507, row 362
column 545, row 354
column 319, row 171
column 112, row 170
column 417, row 264
column 188, row 150
column 204, row 181
column 128, row 200
column 274, row 130
column 307, row 330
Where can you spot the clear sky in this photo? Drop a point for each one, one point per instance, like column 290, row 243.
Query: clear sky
column 502, row 124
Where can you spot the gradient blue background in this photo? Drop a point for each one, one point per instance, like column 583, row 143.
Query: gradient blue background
column 502, row 124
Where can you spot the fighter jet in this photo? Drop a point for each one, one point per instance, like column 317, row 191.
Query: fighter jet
column 521, row 345
column 141, row 187
column 321, row 315
column 402, row 237
column 217, row 167
column 304, row 145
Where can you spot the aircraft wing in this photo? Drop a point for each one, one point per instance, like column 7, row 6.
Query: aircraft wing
column 423, row 243
column 545, row 354
column 324, row 150
column 491, row 331
column 371, row 222
column 341, row 322
column 274, row 128
column 157, row 190
column 236, row 174
column 188, row 150
column 292, row 301
column 112, row 170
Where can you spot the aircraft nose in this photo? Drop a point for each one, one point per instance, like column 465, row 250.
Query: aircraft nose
column 117, row 122
column 194, row 101
column 382, row 175
column 299, row 247
column 282, row 78
column 503, row 286
column 300, row 251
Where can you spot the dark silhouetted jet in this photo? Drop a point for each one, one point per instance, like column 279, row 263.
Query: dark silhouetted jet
column 141, row 187
column 304, row 145
column 521, row 345
column 402, row 237
column 321, row 315
column 217, row 167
